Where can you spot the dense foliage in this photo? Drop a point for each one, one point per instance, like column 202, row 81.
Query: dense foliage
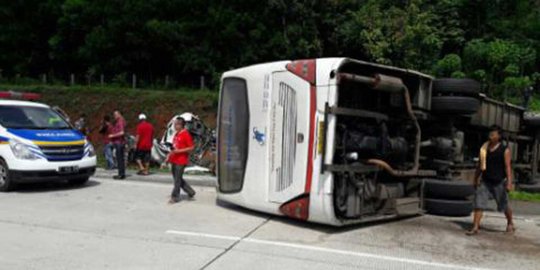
column 494, row 41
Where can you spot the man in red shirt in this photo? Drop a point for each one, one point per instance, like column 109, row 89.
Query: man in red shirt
column 143, row 142
column 179, row 158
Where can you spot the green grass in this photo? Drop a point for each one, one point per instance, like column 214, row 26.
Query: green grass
column 525, row 196
column 184, row 93
column 96, row 101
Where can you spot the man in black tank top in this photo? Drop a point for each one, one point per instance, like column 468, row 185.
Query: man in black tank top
column 496, row 171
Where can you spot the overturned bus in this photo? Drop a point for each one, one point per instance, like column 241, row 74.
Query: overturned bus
column 340, row 141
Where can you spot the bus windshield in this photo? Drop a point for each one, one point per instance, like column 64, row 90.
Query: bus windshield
column 29, row 117
column 233, row 135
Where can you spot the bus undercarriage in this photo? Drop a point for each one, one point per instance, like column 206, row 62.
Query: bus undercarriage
column 403, row 145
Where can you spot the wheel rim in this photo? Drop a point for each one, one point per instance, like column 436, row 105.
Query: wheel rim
column 3, row 174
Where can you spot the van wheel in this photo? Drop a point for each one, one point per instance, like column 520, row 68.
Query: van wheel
column 79, row 181
column 451, row 208
column 446, row 86
column 5, row 180
column 455, row 105
column 447, row 189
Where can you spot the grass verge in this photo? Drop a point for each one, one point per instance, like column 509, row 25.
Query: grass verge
column 525, row 196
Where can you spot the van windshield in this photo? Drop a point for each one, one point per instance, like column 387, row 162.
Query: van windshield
column 29, row 117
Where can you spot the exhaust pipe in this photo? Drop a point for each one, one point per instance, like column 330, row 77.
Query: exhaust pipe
column 391, row 84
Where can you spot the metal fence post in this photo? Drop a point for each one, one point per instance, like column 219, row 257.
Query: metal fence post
column 202, row 82
column 166, row 81
column 101, row 79
column 44, row 78
column 72, row 79
column 134, row 81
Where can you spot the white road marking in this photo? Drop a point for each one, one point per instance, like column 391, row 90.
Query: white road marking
column 232, row 238
column 327, row 250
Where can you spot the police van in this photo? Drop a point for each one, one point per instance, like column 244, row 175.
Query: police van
column 38, row 144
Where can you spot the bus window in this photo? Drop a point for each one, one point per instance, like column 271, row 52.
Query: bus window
column 233, row 134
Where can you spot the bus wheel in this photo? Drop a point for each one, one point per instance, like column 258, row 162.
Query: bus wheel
column 79, row 181
column 5, row 180
column 452, row 208
column 446, row 86
column 447, row 189
column 455, row 105
column 532, row 120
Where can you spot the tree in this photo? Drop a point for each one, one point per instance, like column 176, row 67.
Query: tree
column 406, row 35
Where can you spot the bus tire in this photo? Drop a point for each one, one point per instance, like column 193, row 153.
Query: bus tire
column 450, row 208
column 455, row 105
column 6, row 183
column 78, row 181
column 450, row 86
column 447, row 189
column 529, row 188
column 532, row 120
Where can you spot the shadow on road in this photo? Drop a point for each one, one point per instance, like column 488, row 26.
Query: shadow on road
column 467, row 225
column 310, row 225
column 331, row 229
column 53, row 186
column 242, row 210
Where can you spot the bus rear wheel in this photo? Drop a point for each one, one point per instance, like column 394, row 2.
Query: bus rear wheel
column 451, row 86
column 451, row 208
column 455, row 105
column 447, row 189
column 5, row 179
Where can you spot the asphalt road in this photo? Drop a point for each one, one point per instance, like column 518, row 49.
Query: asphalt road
column 128, row 225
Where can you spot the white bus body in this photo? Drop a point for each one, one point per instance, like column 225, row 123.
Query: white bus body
column 274, row 129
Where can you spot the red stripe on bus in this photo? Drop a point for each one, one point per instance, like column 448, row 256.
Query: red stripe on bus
column 313, row 105
column 304, row 69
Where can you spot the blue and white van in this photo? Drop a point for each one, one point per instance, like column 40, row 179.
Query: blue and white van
column 38, row 144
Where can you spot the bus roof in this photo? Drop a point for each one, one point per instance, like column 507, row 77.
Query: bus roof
column 325, row 65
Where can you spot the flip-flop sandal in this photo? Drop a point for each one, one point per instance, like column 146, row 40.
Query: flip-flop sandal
column 140, row 173
column 472, row 232
column 510, row 229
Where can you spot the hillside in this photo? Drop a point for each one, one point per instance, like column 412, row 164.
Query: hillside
column 96, row 102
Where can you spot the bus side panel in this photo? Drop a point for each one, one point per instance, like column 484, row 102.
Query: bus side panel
column 321, row 196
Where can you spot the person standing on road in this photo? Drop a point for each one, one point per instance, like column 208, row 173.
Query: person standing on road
column 179, row 158
column 119, row 140
column 495, row 170
column 143, row 142
column 106, row 130
column 80, row 124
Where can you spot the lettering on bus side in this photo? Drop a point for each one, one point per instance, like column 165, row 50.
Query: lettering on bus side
column 266, row 93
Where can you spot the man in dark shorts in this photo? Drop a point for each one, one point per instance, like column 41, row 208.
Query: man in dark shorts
column 143, row 144
column 179, row 158
column 496, row 171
